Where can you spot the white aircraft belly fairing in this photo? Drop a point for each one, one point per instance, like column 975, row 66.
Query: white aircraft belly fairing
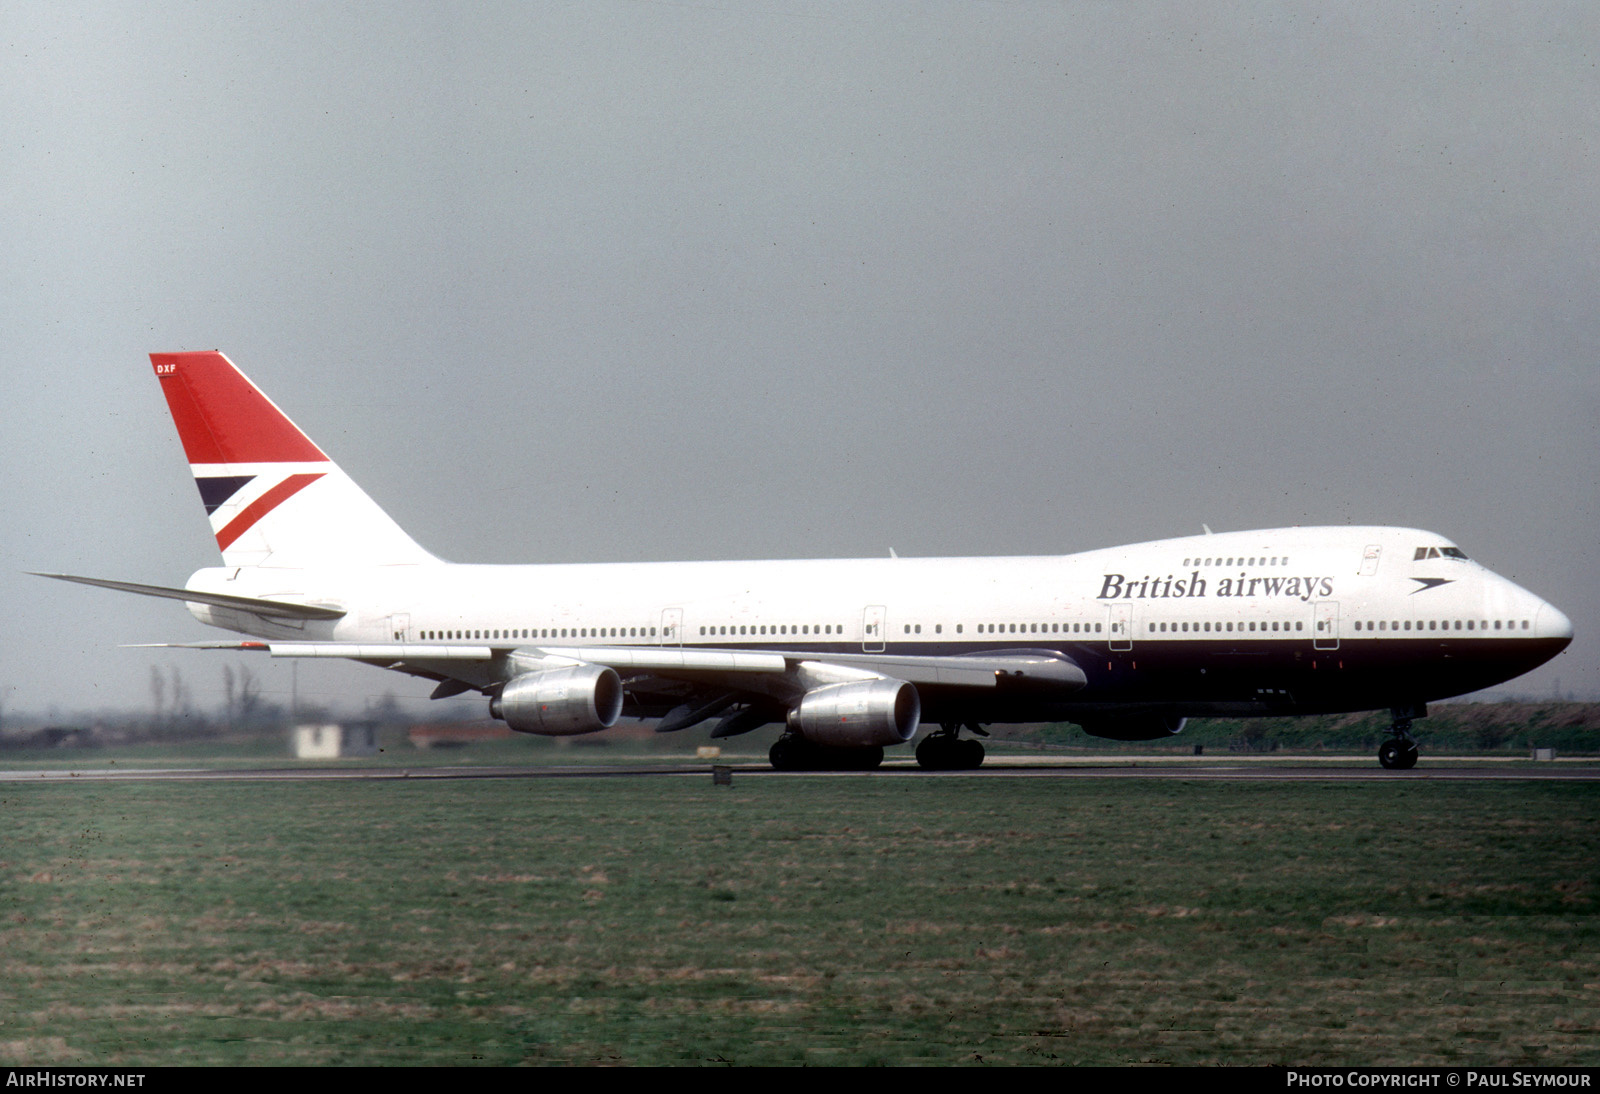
column 850, row 655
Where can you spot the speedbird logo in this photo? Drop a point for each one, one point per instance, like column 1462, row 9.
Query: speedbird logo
column 1120, row 587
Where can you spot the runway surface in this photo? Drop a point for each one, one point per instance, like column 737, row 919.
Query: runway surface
column 1248, row 770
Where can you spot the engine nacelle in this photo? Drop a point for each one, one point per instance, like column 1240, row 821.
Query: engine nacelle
column 561, row 702
column 1136, row 727
column 858, row 714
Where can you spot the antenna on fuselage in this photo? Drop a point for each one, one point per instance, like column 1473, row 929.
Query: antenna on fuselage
column 1207, row 528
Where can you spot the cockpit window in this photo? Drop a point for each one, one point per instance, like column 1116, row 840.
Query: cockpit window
column 1439, row 552
column 1453, row 552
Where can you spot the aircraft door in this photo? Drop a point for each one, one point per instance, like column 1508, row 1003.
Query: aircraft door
column 1325, row 626
column 672, row 627
column 872, row 628
column 400, row 626
column 1369, row 559
column 1120, row 625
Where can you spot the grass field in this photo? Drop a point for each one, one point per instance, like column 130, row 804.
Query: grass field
column 843, row 920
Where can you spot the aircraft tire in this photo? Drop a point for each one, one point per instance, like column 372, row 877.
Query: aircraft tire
column 1397, row 755
column 856, row 759
column 798, row 754
column 788, row 754
column 933, row 753
column 938, row 752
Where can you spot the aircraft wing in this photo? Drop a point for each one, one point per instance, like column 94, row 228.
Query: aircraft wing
column 778, row 673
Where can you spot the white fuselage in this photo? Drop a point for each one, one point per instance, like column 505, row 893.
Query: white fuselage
column 1293, row 619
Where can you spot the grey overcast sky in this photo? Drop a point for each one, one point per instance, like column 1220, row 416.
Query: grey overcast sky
column 624, row 281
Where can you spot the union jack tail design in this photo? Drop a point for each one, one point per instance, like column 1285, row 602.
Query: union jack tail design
column 273, row 497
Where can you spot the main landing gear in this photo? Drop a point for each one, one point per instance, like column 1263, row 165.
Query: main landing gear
column 792, row 752
column 944, row 750
column 1399, row 752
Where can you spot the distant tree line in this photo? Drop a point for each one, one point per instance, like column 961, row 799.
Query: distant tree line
column 1511, row 727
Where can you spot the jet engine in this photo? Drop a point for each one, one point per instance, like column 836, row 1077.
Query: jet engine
column 858, row 714
column 561, row 702
column 1136, row 727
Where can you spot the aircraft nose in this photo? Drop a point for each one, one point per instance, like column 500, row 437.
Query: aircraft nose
column 1552, row 622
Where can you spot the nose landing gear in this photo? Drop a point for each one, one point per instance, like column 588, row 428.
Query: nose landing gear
column 1399, row 752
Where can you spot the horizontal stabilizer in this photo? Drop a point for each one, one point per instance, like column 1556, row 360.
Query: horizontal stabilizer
column 275, row 609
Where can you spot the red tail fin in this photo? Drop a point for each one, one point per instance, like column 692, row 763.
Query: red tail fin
column 273, row 497
column 222, row 417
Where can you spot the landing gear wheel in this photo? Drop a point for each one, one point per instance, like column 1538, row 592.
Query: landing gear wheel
column 944, row 751
column 1399, row 752
column 933, row 753
column 855, row 759
column 787, row 754
column 795, row 753
column 1396, row 755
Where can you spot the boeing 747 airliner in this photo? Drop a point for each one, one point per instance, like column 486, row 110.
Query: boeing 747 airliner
column 849, row 656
